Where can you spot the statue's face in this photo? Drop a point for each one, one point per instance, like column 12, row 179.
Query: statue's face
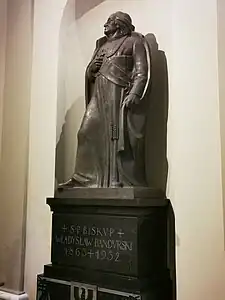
column 110, row 26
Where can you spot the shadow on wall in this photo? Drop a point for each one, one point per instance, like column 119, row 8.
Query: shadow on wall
column 171, row 250
column 66, row 147
column 156, row 138
column 71, row 71
column 63, row 95
column 83, row 7
column 68, row 19
column 156, row 145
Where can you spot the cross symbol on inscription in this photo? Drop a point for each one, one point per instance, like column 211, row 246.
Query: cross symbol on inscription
column 90, row 253
column 120, row 233
column 64, row 228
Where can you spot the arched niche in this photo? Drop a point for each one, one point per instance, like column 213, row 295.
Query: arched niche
column 81, row 26
column 83, row 7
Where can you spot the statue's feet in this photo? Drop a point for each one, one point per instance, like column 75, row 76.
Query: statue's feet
column 71, row 183
column 116, row 184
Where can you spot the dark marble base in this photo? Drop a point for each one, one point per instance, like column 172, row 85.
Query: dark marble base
column 108, row 280
column 55, row 289
column 112, row 238
column 110, row 193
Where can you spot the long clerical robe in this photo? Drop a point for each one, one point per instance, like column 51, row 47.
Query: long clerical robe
column 111, row 136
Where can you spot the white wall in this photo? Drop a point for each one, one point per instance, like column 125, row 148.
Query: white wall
column 189, row 38
column 195, row 185
column 221, row 63
column 3, row 29
column 14, row 123
column 47, row 18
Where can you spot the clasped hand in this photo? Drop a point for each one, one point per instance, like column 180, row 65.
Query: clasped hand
column 96, row 65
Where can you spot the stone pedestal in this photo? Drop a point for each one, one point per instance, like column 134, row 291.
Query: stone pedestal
column 113, row 239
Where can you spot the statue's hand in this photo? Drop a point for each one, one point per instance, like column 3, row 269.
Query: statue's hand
column 131, row 99
column 96, row 65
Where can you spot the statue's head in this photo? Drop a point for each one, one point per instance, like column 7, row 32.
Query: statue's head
column 119, row 22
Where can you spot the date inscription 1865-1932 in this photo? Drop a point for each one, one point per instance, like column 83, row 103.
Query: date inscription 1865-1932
column 86, row 243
